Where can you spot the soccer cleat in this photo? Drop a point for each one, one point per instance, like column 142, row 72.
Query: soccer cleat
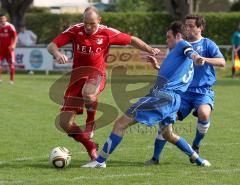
column 206, row 163
column 196, row 149
column 151, row 162
column 11, row 82
column 94, row 164
column 0, row 80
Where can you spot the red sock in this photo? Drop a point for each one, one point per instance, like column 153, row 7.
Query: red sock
column 12, row 71
column 91, row 112
column 77, row 134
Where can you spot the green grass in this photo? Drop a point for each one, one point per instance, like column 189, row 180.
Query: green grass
column 27, row 135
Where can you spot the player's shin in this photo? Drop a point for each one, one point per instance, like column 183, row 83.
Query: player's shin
column 109, row 146
column 158, row 145
column 202, row 128
column 187, row 149
column 91, row 112
column 12, row 72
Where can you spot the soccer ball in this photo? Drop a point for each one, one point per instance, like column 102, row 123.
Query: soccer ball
column 60, row 157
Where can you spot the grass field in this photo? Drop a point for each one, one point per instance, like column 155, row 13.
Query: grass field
column 27, row 135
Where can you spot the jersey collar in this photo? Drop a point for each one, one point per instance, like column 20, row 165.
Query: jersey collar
column 196, row 41
column 95, row 31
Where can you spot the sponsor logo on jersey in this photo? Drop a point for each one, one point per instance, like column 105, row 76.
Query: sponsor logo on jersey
column 88, row 49
column 99, row 41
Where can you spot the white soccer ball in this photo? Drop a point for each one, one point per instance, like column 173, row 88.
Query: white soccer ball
column 60, row 157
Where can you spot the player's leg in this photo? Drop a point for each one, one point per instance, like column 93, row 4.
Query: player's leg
column 203, row 107
column 145, row 111
column 92, row 87
column 1, row 70
column 68, row 124
column 182, row 144
column 203, row 123
column 158, row 147
column 183, row 112
column 112, row 142
column 73, row 105
column 10, row 57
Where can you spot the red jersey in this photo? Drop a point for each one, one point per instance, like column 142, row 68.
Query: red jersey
column 7, row 34
column 91, row 50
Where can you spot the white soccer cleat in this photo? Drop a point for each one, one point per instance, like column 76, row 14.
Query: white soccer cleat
column 206, row 163
column 94, row 164
column 11, row 82
column 0, row 80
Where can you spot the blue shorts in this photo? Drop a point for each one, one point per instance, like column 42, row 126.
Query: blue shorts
column 155, row 109
column 192, row 100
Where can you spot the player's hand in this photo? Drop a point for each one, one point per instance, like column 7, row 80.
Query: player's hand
column 60, row 58
column 153, row 61
column 199, row 60
column 155, row 51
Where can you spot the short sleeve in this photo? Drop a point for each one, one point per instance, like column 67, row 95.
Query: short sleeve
column 214, row 51
column 13, row 30
column 65, row 37
column 118, row 38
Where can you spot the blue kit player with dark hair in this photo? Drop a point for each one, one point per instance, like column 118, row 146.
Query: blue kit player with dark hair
column 160, row 106
column 199, row 95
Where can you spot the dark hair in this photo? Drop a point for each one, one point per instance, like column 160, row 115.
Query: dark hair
column 178, row 27
column 2, row 14
column 200, row 21
column 92, row 8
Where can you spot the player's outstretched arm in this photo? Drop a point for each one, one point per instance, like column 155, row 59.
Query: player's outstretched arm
column 138, row 43
column 59, row 57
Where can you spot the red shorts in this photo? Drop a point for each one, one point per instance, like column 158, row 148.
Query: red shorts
column 9, row 56
column 73, row 100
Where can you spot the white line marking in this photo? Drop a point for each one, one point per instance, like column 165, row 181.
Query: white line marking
column 228, row 171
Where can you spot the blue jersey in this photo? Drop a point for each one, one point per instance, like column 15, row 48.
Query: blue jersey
column 204, row 76
column 176, row 71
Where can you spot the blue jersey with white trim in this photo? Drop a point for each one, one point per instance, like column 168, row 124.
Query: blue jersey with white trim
column 176, row 71
column 204, row 76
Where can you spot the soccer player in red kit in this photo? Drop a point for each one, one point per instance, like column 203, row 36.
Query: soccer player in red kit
column 8, row 40
column 91, row 42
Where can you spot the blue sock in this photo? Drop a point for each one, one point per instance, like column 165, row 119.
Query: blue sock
column 109, row 147
column 187, row 149
column 158, row 146
column 199, row 136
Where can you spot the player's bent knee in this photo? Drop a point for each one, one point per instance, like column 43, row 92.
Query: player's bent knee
column 204, row 116
column 170, row 137
column 118, row 127
column 167, row 136
column 89, row 98
column 204, row 113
